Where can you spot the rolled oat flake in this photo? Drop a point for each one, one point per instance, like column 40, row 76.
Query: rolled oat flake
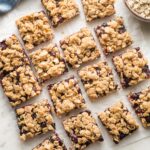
column 140, row 7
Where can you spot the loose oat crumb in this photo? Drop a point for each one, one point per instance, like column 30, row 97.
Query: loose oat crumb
column 34, row 29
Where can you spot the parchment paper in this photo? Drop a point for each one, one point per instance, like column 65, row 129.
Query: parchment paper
column 9, row 133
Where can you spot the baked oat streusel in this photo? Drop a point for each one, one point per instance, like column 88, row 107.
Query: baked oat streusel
column 98, row 80
column 52, row 143
column 34, row 29
column 66, row 96
column 132, row 67
column 94, row 9
column 82, row 130
column 60, row 11
column 79, row 48
column 48, row 62
column 113, row 36
column 35, row 119
column 118, row 121
column 12, row 55
column 141, row 103
column 20, row 85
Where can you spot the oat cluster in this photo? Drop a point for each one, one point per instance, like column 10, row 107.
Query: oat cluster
column 140, row 7
column 98, row 8
column 60, row 11
column 141, row 103
column 79, row 48
column 118, row 121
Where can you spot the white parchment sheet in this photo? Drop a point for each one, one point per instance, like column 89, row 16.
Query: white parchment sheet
column 9, row 133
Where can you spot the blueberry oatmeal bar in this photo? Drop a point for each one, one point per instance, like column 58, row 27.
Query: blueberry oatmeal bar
column 66, row 96
column 48, row 62
column 20, row 85
column 12, row 55
column 35, row 119
column 60, row 11
column 82, row 130
column 113, row 36
column 141, row 103
column 118, row 121
column 79, row 48
column 132, row 67
column 94, row 9
column 52, row 143
column 34, row 29
column 98, row 80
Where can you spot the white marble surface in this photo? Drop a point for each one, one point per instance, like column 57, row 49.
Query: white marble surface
column 9, row 133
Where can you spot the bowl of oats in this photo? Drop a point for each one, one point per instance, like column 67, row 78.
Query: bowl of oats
column 139, row 8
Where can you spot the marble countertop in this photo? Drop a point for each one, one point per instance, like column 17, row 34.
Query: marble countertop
column 9, row 136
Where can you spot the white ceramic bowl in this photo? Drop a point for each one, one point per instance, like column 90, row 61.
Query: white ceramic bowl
column 135, row 14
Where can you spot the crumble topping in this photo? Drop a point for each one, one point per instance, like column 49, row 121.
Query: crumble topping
column 94, row 9
column 113, row 36
column 35, row 119
column 20, row 85
column 48, row 62
column 60, row 11
column 118, row 121
column 98, row 80
column 141, row 103
column 132, row 67
column 66, row 96
column 79, row 48
column 82, row 130
column 34, row 29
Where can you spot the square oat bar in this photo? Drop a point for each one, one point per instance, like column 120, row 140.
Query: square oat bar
column 141, row 103
column 95, row 9
column 82, row 130
column 34, row 29
column 79, row 48
column 66, row 96
column 20, row 85
column 35, row 119
column 60, row 11
column 118, row 121
column 12, row 55
column 113, row 36
column 132, row 67
column 98, row 80
column 52, row 143
column 48, row 62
